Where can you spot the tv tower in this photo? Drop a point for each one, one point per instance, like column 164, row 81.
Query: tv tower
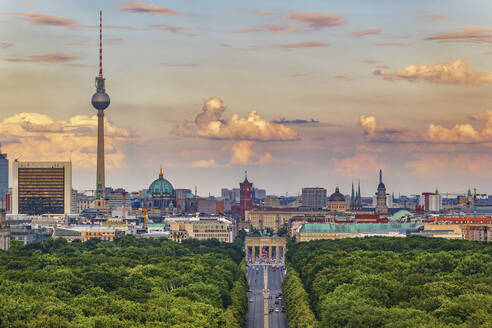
column 100, row 101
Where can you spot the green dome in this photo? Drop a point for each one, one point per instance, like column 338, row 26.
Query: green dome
column 160, row 186
column 190, row 196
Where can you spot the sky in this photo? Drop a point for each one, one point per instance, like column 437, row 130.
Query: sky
column 298, row 93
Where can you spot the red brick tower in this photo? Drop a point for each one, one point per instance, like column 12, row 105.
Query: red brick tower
column 246, row 196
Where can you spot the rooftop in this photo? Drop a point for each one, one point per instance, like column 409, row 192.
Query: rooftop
column 353, row 227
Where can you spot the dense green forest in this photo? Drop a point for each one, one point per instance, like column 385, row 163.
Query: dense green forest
column 392, row 282
column 126, row 283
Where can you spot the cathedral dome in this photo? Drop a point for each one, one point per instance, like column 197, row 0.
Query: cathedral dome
column 337, row 196
column 160, row 186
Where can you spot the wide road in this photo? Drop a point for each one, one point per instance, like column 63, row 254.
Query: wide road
column 261, row 300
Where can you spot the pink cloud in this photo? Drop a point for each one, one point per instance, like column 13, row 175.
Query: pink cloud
column 466, row 33
column 141, row 7
column 391, row 44
column 487, row 53
column 456, row 72
column 366, row 32
column 265, row 12
column 302, row 45
column 316, row 20
column 5, row 45
column 383, row 66
column 429, row 16
column 42, row 19
column 359, row 165
column 371, row 61
column 275, row 29
column 47, row 58
column 174, row 29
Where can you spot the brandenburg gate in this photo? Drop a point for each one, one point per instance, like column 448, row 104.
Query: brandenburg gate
column 277, row 244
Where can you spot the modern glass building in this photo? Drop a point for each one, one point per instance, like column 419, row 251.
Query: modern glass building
column 41, row 188
column 4, row 175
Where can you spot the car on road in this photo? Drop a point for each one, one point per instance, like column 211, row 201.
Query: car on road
column 277, row 301
column 251, row 300
column 277, row 310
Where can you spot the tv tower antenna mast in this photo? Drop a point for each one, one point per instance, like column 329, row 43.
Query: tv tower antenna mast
column 100, row 101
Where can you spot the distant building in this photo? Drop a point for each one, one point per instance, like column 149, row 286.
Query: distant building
column 355, row 198
column 4, row 232
column 160, row 197
column 201, row 228
column 480, row 232
column 246, row 199
column 41, row 188
column 86, row 232
column 337, row 201
column 314, row 198
column 275, row 219
column 210, row 206
column 319, row 231
column 259, row 194
column 431, row 202
column 271, row 201
column 4, row 175
column 381, row 206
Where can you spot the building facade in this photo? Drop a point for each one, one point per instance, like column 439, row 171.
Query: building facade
column 337, row 202
column 4, row 175
column 381, row 206
column 276, row 219
column 314, row 198
column 201, row 228
column 41, row 188
column 431, row 202
column 4, row 232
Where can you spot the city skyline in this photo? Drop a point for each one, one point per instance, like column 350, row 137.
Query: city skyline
column 299, row 94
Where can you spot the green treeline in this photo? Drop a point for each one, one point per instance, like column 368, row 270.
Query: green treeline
column 395, row 282
column 299, row 314
column 126, row 283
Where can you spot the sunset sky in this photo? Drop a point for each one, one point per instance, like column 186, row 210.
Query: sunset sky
column 200, row 87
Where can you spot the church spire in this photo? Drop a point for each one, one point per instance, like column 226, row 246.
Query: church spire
column 352, row 197
column 359, row 198
column 380, row 176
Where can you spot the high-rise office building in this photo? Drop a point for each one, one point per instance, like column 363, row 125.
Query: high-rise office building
column 4, row 175
column 41, row 187
column 314, row 198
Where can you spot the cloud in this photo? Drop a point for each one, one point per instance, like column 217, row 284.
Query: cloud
column 316, row 20
column 202, row 164
column 487, row 53
column 243, row 154
column 466, row 33
column 297, row 121
column 371, row 61
column 301, row 45
column 275, row 29
column 35, row 136
column 5, row 45
column 208, row 124
column 265, row 12
column 429, row 16
column 174, row 29
column 460, row 133
column 376, row 132
column 42, row 19
column 141, row 7
column 47, row 58
column 366, row 32
column 182, row 65
column 383, row 66
column 391, row 44
column 360, row 164
column 456, row 72
column 368, row 125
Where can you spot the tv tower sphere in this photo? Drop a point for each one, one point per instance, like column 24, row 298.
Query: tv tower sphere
column 100, row 100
